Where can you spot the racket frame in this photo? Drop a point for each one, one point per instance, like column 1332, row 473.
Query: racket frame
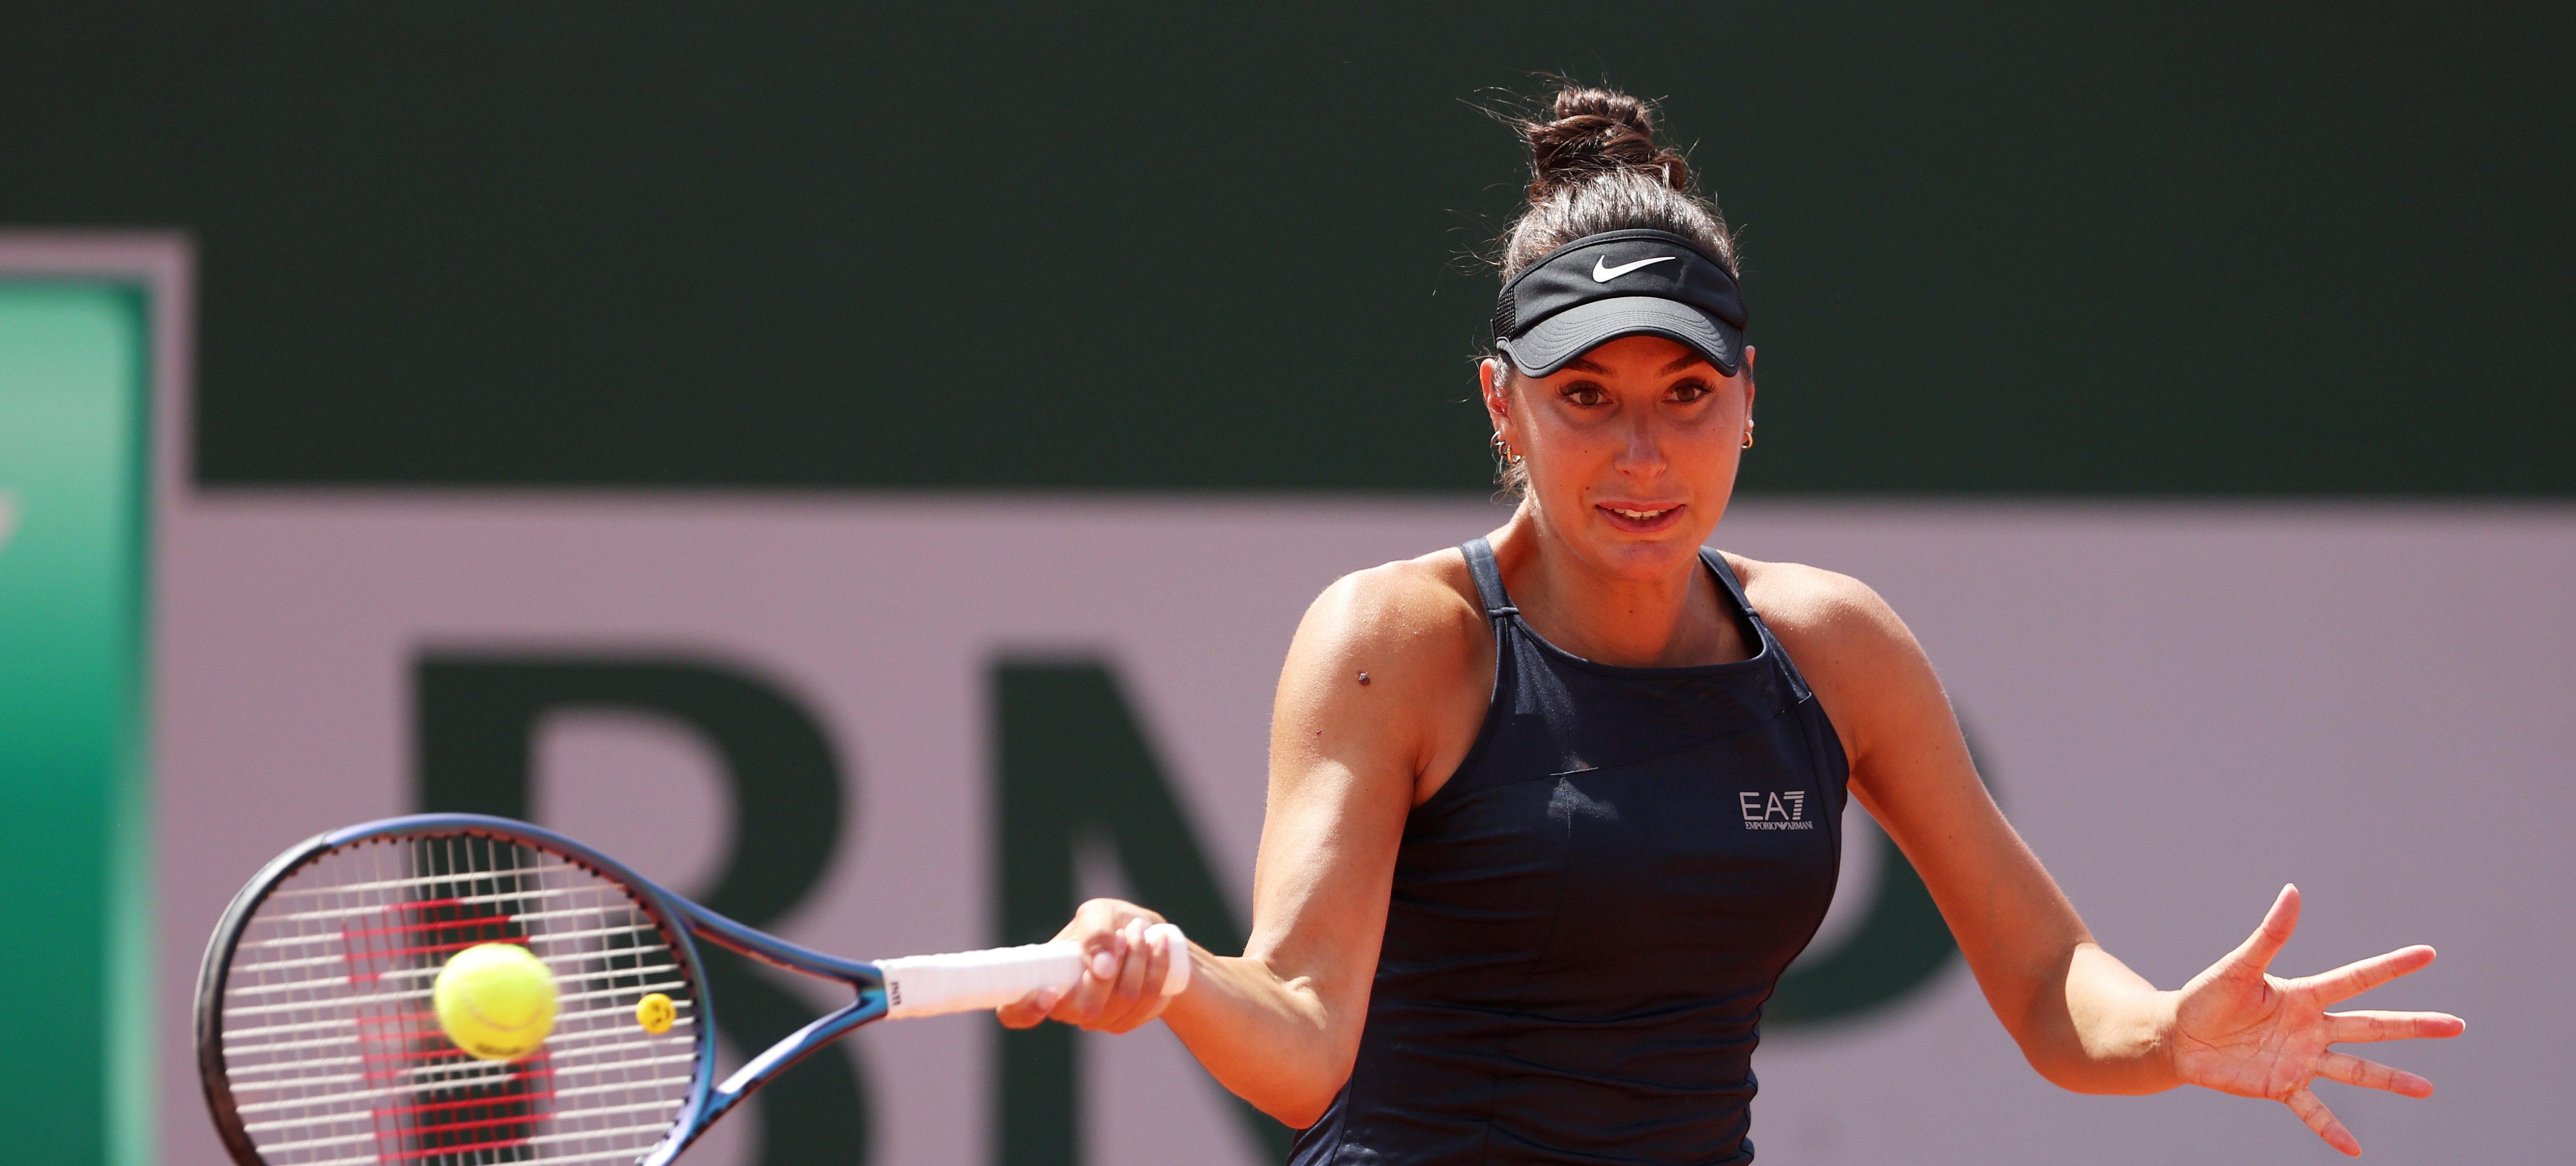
column 685, row 922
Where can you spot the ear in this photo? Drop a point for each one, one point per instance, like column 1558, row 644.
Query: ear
column 1498, row 398
column 1747, row 373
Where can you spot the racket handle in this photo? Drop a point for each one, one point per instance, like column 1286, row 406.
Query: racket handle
column 970, row 981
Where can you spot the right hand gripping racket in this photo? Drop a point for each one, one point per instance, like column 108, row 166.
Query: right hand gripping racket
column 318, row 1047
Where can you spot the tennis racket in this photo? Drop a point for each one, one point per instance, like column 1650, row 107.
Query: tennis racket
column 317, row 1044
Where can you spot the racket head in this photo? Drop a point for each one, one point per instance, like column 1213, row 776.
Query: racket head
column 315, row 1040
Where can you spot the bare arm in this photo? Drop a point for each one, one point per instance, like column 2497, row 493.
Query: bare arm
column 1280, row 1024
column 2081, row 1017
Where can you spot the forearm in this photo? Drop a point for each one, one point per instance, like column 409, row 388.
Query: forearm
column 1270, row 1040
column 2082, row 1018
column 2102, row 1029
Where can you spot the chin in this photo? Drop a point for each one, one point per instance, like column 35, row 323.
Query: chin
column 1642, row 552
column 1645, row 557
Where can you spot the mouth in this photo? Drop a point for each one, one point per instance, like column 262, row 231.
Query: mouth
column 1643, row 518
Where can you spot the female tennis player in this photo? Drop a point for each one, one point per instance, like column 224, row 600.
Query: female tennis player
column 1550, row 812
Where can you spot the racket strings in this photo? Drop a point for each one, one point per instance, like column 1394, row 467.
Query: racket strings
column 333, row 1050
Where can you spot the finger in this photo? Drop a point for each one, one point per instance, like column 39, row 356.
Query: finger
column 1017, row 1016
column 1090, row 994
column 2258, row 949
column 2368, row 1026
column 1106, row 948
column 1028, row 1011
column 1090, row 919
column 2360, row 976
column 1153, row 962
column 2322, row 1120
column 1131, row 972
column 1103, row 951
column 1158, row 967
column 2352, row 1070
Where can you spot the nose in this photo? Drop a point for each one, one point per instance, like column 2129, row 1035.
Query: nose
column 1641, row 450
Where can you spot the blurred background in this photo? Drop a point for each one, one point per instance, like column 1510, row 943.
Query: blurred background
column 530, row 408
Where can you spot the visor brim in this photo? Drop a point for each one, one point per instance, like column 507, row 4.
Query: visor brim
column 1560, row 338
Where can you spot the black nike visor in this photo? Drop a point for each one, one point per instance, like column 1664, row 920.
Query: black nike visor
column 1623, row 283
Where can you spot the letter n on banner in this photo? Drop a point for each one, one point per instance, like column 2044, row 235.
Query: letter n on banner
column 477, row 720
column 1074, row 769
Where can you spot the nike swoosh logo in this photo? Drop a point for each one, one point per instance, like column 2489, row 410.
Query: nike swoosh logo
column 1602, row 272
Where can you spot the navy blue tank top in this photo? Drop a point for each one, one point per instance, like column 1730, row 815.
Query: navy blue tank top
column 1588, row 917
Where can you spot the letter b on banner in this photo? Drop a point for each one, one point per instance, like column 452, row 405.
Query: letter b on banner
column 477, row 721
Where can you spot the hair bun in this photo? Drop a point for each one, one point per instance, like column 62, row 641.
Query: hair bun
column 1597, row 131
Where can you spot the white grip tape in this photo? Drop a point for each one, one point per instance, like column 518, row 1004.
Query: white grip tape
column 969, row 981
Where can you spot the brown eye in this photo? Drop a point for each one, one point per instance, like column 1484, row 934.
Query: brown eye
column 1585, row 393
column 1689, row 391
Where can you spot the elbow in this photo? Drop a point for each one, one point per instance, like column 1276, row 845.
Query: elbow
column 2071, row 1078
column 1300, row 1114
column 1300, row 1099
column 1281, row 1047
column 2068, row 1070
column 1303, row 1103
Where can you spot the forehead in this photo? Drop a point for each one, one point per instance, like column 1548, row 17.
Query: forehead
column 1635, row 356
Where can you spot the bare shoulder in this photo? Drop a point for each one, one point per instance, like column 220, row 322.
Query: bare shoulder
column 1420, row 610
column 1875, row 682
column 1810, row 603
column 1386, row 680
column 1847, row 640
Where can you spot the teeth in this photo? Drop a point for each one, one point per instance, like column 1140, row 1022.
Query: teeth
column 1639, row 515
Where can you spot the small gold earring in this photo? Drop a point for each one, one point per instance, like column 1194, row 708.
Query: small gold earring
column 1748, row 433
column 1503, row 449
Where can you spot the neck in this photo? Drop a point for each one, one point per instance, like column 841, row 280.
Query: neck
column 1669, row 619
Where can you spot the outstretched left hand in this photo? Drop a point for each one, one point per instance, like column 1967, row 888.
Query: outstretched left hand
column 2240, row 1030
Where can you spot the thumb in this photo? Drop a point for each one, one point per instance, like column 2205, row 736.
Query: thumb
column 2255, row 954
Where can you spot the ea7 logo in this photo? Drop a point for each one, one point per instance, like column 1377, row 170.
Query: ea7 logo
column 1785, row 810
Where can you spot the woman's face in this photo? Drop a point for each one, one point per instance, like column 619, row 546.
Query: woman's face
column 1631, row 450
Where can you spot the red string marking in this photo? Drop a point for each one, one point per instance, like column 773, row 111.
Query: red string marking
column 401, row 1089
column 416, row 1054
column 397, row 1040
column 435, row 948
column 510, row 1099
column 460, row 1150
column 358, row 942
column 396, row 1018
column 456, row 1134
column 429, row 925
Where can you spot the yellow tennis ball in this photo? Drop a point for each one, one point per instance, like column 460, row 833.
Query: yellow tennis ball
column 654, row 1013
column 495, row 1000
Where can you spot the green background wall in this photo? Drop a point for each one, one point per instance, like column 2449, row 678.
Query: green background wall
column 2124, row 248
column 74, row 836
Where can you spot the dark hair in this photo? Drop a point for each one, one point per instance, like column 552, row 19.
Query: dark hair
column 1595, row 167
